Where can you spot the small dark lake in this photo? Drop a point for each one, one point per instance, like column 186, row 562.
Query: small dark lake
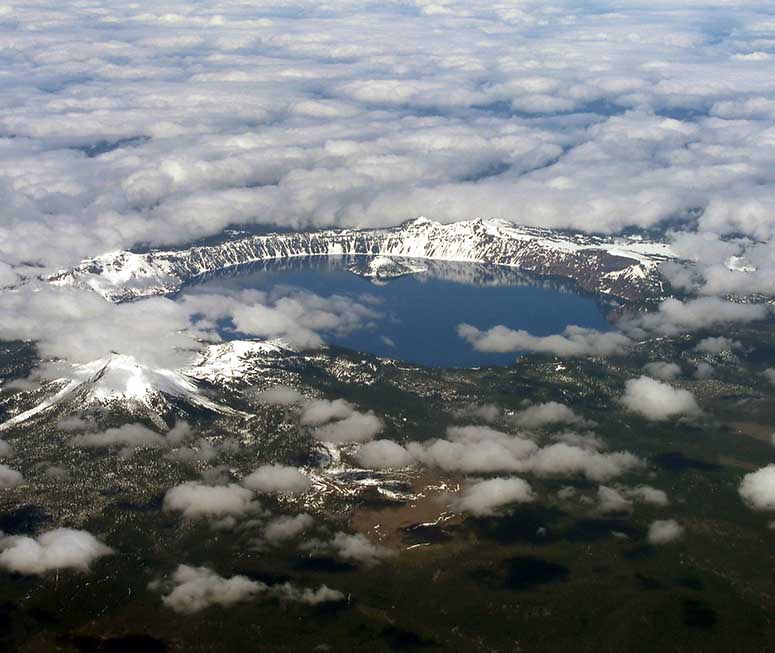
column 418, row 314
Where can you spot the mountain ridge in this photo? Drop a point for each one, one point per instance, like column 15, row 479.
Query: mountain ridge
column 624, row 267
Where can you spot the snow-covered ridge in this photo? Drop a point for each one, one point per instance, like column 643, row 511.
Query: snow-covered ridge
column 621, row 267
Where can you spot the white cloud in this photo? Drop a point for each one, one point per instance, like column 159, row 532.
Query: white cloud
column 485, row 412
column 195, row 500
column 133, row 436
column 8, row 276
column 662, row 370
column 284, row 527
column 9, row 478
column 769, row 374
column 358, row 427
column 758, row 488
column 279, row 395
column 197, row 588
column 277, row 479
column 704, row 371
column 648, row 494
column 127, row 435
column 664, row 531
column 657, row 401
column 350, row 547
column 474, row 449
column 551, row 412
column 610, row 500
column 383, row 454
column 480, row 449
column 564, row 460
column 320, row 411
column 203, row 131
column 192, row 589
column 574, row 341
column 6, row 450
column 674, row 317
column 61, row 548
column 322, row 594
column 490, row 496
column 717, row 345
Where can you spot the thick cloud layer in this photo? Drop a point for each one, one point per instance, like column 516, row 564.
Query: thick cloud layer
column 161, row 124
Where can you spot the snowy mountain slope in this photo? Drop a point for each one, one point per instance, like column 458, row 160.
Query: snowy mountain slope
column 621, row 267
column 122, row 381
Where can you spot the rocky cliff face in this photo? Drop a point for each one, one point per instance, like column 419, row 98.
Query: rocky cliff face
column 620, row 267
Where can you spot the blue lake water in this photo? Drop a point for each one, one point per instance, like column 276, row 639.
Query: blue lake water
column 418, row 314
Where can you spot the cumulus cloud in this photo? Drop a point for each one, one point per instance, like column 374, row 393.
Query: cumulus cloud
column 490, row 496
column 192, row 589
column 621, row 499
column 358, row 427
column 769, row 374
column 547, row 413
column 196, row 588
column 298, row 317
column 474, row 449
column 61, row 548
column 485, row 412
column 133, row 436
column 717, row 345
column 758, row 488
column 658, row 401
column 9, row 478
column 674, row 317
column 127, row 435
column 564, row 460
column 285, row 527
column 196, row 500
column 383, row 454
column 6, row 450
column 349, row 547
column 320, row 411
column 277, row 479
column 279, row 395
column 662, row 370
column 480, row 449
column 704, row 370
column 648, row 494
column 308, row 596
column 574, row 341
column 610, row 500
column 664, row 531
